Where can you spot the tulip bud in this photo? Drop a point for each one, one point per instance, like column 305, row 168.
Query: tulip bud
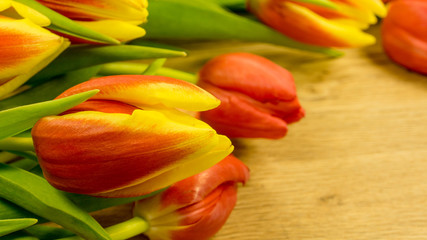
column 404, row 34
column 25, row 48
column 258, row 97
column 317, row 25
column 115, row 18
column 196, row 207
column 129, row 139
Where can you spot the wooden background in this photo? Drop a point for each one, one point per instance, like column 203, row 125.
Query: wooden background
column 354, row 168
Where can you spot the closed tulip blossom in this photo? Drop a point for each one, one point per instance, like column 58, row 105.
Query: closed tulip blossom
column 129, row 139
column 309, row 23
column 196, row 207
column 25, row 49
column 119, row 19
column 258, row 97
column 404, row 34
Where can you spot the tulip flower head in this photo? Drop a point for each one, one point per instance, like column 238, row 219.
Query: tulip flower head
column 258, row 97
column 25, row 49
column 196, row 207
column 404, row 34
column 115, row 18
column 129, row 139
column 309, row 23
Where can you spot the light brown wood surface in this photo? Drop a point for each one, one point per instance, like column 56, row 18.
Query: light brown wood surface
column 354, row 168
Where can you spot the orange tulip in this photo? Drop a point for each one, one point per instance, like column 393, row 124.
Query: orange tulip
column 25, row 49
column 115, row 18
column 258, row 97
column 129, row 139
column 318, row 25
column 196, row 207
column 404, row 34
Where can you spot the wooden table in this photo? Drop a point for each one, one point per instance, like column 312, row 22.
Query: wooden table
column 354, row 168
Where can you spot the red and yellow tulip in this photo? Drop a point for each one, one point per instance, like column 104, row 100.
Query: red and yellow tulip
column 115, row 18
column 404, row 34
column 129, row 139
column 196, row 207
column 258, row 97
column 25, row 49
column 318, row 25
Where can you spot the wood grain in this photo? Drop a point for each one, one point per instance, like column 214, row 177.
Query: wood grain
column 354, row 168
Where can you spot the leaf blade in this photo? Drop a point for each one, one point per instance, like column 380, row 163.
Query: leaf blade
column 12, row 225
column 81, row 57
column 19, row 119
column 36, row 195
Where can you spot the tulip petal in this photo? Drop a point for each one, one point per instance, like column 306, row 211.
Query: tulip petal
column 191, row 165
column 376, row 6
column 253, row 75
column 143, row 145
column 198, row 221
column 119, row 30
column 24, row 50
column 230, row 169
column 403, row 41
column 236, row 117
column 212, row 218
column 33, row 15
column 142, row 91
column 328, row 33
column 4, row 5
column 129, row 10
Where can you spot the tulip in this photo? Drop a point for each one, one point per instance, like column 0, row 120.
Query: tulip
column 196, row 207
column 129, row 139
column 322, row 26
column 404, row 34
column 25, row 49
column 115, row 18
column 258, row 97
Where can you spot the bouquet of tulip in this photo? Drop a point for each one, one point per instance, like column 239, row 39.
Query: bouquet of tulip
column 82, row 130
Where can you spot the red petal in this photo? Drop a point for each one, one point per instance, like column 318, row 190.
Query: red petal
column 196, row 188
column 206, row 217
column 250, row 74
column 402, row 38
column 240, row 116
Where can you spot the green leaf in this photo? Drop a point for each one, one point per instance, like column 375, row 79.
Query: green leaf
column 17, row 144
column 20, row 235
column 25, row 164
column 65, row 25
column 12, row 225
column 36, row 195
column 19, row 119
column 44, row 232
column 154, row 66
column 50, row 90
column 234, row 5
column 85, row 202
column 27, row 154
column 85, row 56
column 130, row 68
column 199, row 19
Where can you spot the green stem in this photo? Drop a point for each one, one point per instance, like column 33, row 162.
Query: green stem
column 17, row 144
column 154, row 66
column 6, row 157
column 123, row 230
column 125, row 68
